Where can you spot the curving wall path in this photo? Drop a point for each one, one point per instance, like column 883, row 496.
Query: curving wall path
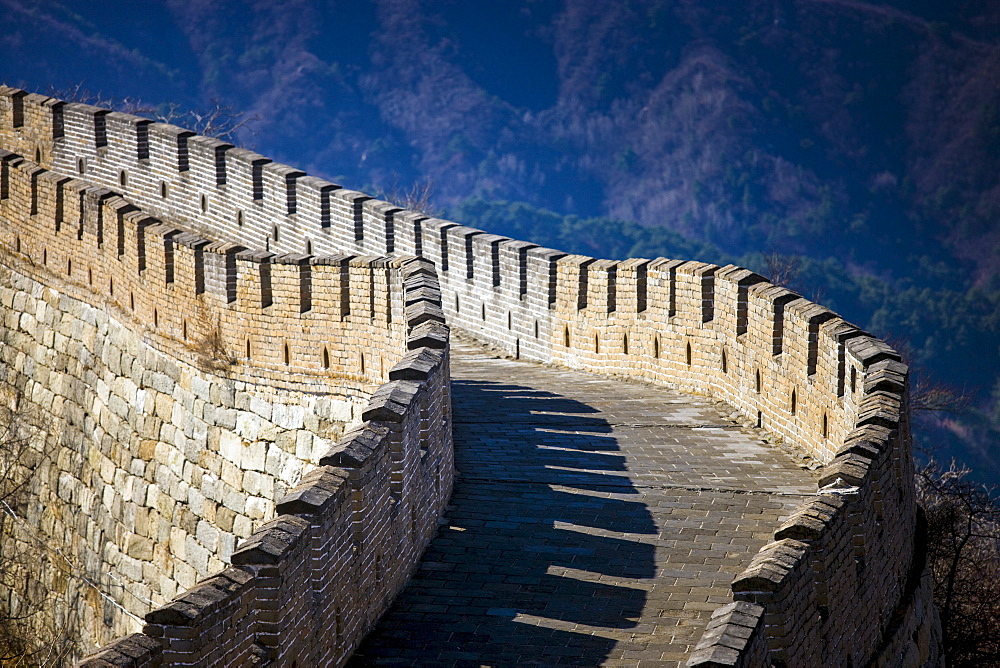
column 843, row 581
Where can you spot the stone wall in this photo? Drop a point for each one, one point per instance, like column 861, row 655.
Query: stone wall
column 191, row 384
column 835, row 583
column 158, row 468
column 308, row 586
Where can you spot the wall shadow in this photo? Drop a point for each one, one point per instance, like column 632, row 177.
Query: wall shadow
column 531, row 567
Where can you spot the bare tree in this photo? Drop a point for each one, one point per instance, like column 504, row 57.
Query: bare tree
column 963, row 527
column 418, row 197
column 218, row 120
column 935, row 396
column 78, row 93
column 928, row 394
column 963, row 532
column 30, row 631
column 210, row 345
column 782, row 269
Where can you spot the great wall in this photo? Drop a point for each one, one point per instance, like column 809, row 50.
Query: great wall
column 246, row 375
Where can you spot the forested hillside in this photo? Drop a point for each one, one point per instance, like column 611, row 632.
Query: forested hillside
column 861, row 137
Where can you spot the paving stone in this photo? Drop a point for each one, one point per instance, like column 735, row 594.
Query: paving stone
column 594, row 522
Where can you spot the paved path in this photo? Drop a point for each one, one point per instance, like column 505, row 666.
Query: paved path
column 594, row 522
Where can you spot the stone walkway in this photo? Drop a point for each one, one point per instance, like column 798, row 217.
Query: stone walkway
column 594, row 522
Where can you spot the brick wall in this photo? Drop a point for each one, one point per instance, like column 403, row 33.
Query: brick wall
column 192, row 384
column 831, row 584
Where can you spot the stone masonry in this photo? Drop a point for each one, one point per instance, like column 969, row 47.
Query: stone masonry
column 153, row 224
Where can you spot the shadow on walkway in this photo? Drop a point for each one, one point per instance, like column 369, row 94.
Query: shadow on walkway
column 528, row 567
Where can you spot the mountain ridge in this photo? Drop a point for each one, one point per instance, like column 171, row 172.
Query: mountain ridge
column 863, row 137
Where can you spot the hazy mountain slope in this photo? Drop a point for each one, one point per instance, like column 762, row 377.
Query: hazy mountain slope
column 758, row 123
column 865, row 135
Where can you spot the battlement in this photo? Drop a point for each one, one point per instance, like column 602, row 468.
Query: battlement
column 185, row 288
column 841, row 580
column 334, row 367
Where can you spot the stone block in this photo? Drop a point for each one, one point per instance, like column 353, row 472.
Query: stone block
column 208, row 535
column 248, row 425
column 255, row 456
column 140, row 547
column 242, row 526
column 287, row 416
column 260, row 406
column 231, row 447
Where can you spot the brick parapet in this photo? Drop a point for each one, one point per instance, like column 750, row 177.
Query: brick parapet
column 290, row 319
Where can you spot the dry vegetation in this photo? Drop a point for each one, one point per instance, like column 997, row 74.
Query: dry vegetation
column 209, row 345
column 218, row 120
column 418, row 197
column 31, row 632
column 963, row 526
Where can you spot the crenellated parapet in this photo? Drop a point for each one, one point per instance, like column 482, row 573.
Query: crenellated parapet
column 842, row 581
column 253, row 413
column 289, row 319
